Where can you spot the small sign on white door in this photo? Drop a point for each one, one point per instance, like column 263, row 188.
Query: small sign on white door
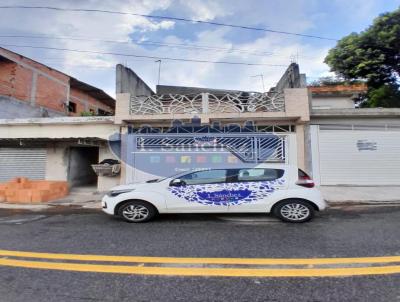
column 365, row 145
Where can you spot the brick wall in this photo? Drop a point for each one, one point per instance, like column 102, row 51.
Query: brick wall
column 85, row 102
column 41, row 86
column 51, row 94
column 338, row 88
column 15, row 81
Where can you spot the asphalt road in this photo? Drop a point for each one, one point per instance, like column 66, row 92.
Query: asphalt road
column 346, row 232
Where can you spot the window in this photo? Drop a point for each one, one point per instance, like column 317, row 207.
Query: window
column 72, row 107
column 204, row 177
column 258, row 174
column 102, row 112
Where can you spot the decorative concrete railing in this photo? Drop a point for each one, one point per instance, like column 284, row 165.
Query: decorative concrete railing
column 207, row 103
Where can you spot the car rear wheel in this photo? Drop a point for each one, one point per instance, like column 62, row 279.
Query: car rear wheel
column 137, row 211
column 294, row 210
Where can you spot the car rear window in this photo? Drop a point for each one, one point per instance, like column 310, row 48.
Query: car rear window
column 259, row 174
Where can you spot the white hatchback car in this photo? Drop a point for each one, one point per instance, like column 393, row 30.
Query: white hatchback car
column 283, row 190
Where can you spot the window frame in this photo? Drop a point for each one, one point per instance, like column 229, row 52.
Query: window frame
column 72, row 107
column 235, row 176
column 232, row 175
column 204, row 183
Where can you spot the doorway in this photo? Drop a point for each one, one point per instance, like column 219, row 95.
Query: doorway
column 80, row 172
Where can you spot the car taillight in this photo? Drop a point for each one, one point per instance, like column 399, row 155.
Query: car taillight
column 305, row 180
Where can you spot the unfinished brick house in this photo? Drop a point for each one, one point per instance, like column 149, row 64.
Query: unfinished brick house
column 31, row 89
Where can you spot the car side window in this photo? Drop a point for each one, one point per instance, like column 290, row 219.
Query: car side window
column 258, row 174
column 204, row 177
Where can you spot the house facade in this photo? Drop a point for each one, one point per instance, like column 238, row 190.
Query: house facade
column 172, row 129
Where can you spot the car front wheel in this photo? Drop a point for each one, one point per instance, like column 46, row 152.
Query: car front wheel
column 294, row 211
column 137, row 211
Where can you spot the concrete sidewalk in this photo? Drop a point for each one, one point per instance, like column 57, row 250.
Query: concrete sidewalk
column 89, row 198
column 84, row 197
column 352, row 194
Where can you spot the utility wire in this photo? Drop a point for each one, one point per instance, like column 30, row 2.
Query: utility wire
column 138, row 42
column 140, row 56
column 165, row 18
column 157, row 43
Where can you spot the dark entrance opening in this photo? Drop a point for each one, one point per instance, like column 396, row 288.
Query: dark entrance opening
column 80, row 172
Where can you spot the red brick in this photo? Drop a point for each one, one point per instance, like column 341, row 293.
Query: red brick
column 16, row 80
column 22, row 190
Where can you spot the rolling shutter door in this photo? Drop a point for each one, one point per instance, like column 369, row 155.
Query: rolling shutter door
column 21, row 162
column 352, row 157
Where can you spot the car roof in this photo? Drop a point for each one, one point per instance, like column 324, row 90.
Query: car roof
column 244, row 166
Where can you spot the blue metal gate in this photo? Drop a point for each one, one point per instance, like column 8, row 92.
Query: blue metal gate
column 164, row 154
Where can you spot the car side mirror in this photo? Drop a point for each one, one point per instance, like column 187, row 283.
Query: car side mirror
column 177, row 182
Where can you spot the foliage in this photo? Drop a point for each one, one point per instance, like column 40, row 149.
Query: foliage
column 333, row 81
column 372, row 55
column 387, row 95
column 87, row 113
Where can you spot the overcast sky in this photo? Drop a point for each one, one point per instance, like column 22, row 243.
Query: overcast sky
column 328, row 18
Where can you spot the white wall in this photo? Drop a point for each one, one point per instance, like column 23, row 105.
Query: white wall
column 104, row 183
column 57, row 163
column 332, row 102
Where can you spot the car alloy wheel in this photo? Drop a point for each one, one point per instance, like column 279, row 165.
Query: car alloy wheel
column 295, row 211
column 137, row 211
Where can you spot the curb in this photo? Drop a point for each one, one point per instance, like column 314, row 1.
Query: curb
column 96, row 205
column 335, row 203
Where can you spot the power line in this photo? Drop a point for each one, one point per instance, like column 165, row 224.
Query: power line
column 158, row 43
column 140, row 56
column 166, row 18
column 138, row 42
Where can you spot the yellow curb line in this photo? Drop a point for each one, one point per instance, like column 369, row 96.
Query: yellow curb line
column 190, row 260
column 220, row 272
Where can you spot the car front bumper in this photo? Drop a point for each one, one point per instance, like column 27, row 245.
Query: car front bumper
column 107, row 205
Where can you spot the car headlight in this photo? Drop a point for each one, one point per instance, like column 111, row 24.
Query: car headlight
column 117, row 192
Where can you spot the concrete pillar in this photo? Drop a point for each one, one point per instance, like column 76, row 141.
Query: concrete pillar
column 122, row 107
column 124, row 156
column 204, row 102
column 300, row 137
column 57, row 163
column 33, row 88
column 68, row 93
column 297, row 103
column 104, row 183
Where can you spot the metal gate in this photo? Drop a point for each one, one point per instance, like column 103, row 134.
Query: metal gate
column 22, row 162
column 248, row 148
column 162, row 154
column 355, row 156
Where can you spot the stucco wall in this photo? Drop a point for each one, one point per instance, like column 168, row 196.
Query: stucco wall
column 332, row 102
column 129, row 82
column 105, row 183
column 57, row 163
column 11, row 108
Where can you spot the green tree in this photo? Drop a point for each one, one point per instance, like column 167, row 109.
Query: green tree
column 387, row 95
column 372, row 55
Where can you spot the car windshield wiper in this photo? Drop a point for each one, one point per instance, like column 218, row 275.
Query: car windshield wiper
column 153, row 180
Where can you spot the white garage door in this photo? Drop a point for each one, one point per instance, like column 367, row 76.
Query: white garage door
column 359, row 157
column 21, row 162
